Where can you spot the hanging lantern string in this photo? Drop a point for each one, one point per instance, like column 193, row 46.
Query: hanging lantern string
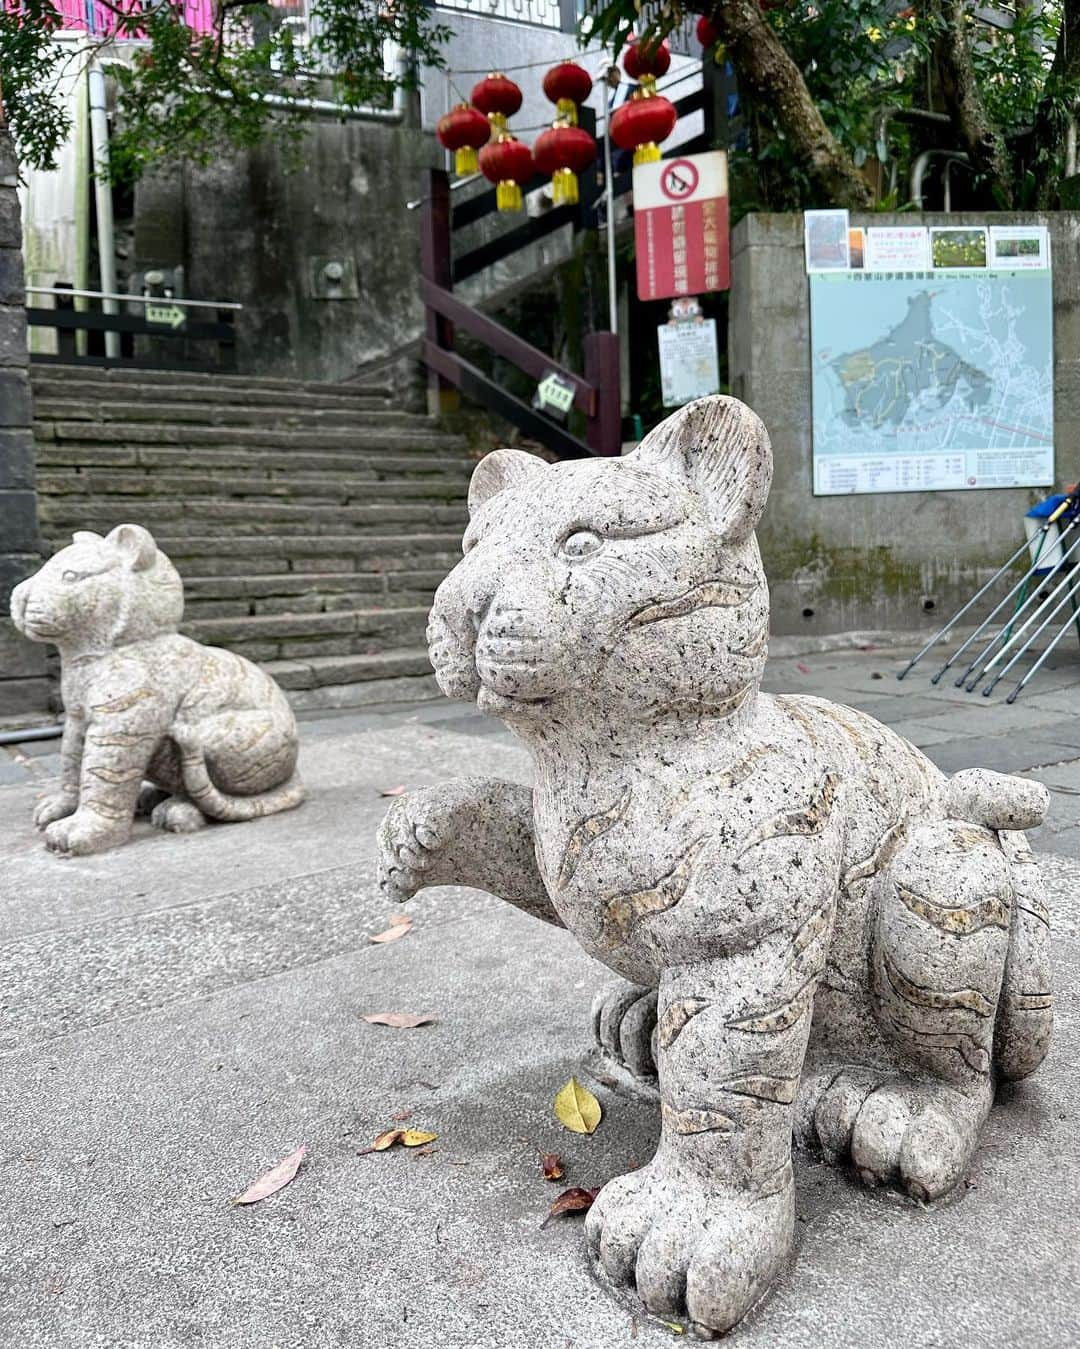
column 532, row 65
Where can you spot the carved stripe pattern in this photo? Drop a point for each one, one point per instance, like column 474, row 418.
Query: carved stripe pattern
column 965, row 1045
column 1036, row 908
column 887, row 848
column 990, row 912
column 696, row 1121
column 815, row 927
column 695, row 707
column 714, row 594
column 809, row 821
column 124, row 703
column 938, row 1000
column 675, row 1018
column 782, row 1017
column 738, row 773
column 1029, row 1002
column 764, row 1087
column 586, row 832
column 623, row 911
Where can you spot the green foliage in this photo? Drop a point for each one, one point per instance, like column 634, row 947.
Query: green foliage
column 30, row 66
column 182, row 94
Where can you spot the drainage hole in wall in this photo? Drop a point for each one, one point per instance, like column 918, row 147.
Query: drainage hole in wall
column 808, row 613
column 929, row 603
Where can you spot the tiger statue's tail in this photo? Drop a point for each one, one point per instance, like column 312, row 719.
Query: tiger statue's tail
column 1025, row 1016
column 217, row 804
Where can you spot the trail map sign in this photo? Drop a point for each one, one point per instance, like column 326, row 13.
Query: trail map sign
column 681, row 226
column 935, row 379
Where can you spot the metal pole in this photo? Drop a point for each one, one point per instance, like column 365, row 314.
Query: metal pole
column 1020, row 585
column 609, row 211
column 1045, row 623
column 1034, row 669
column 958, row 615
column 99, row 143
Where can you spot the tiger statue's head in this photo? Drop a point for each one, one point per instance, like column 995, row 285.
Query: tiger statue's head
column 99, row 593
column 630, row 585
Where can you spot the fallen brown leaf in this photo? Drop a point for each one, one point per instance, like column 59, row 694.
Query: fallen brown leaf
column 392, row 791
column 399, row 1020
column 402, row 1114
column 410, row 1138
column 575, row 1200
column 400, row 926
column 552, row 1165
column 275, row 1179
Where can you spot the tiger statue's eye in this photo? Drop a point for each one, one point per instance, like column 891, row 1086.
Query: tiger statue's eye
column 70, row 576
column 582, row 543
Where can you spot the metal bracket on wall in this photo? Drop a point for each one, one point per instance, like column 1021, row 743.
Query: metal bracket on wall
column 333, row 279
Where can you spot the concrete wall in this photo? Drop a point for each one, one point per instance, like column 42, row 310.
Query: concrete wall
column 23, row 686
column 895, row 560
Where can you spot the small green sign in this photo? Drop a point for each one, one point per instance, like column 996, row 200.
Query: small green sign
column 168, row 315
column 555, row 392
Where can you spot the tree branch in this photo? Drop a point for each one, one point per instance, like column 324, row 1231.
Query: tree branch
column 983, row 141
column 1045, row 143
column 768, row 76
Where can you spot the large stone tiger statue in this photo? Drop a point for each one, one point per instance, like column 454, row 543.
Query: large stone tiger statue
column 819, row 933
column 153, row 720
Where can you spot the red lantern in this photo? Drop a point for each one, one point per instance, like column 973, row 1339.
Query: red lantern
column 561, row 153
column 463, row 130
column 507, row 163
column 640, row 123
column 706, row 32
column 498, row 98
column 647, row 61
column 567, row 85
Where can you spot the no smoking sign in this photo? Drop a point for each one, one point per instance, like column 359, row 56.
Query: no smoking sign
column 681, row 226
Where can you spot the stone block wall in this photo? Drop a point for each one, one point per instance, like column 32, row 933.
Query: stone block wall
column 895, row 560
column 24, row 687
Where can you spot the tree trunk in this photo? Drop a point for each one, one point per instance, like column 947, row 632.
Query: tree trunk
column 770, row 78
column 983, row 141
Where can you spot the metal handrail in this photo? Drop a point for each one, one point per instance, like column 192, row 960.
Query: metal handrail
column 134, row 299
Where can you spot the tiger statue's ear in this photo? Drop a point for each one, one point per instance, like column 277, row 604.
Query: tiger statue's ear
column 135, row 544
column 85, row 536
column 720, row 450
column 499, row 470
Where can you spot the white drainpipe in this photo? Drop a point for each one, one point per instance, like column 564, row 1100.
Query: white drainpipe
column 99, row 143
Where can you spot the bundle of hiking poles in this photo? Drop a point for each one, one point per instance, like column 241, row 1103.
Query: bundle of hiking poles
column 1032, row 606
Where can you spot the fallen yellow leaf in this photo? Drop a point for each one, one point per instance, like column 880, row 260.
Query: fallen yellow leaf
column 387, row 1139
column 414, row 1138
column 577, row 1109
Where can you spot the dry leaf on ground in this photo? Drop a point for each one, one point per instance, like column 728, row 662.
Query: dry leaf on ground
column 575, row 1200
column 576, row 1108
column 552, row 1164
column 392, row 791
column 399, row 1020
column 400, row 926
column 275, row 1179
column 410, row 1138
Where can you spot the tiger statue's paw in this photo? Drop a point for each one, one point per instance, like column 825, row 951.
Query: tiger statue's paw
column 624, row 1024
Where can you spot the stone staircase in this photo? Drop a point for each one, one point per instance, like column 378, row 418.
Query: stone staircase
column 310, row 523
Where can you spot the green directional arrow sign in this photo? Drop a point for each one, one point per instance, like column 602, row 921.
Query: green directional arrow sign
column 555, row 392
column 168, row 315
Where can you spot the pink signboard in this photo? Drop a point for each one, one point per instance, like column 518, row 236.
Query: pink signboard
column 681, row 226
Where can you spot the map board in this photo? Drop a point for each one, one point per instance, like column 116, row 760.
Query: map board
column 933, row 380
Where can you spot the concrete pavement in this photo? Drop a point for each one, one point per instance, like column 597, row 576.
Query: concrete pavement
column 180, row 1015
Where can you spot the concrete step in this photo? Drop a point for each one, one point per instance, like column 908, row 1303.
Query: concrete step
column 211, row 386
column 150, row 458
column 315, row 592
column 85, row 488
column 255, row 398
column 350, row 632
column 289, row 411
column 330, row 670
column 241, row 438
column 199, row 515
column 228, row 555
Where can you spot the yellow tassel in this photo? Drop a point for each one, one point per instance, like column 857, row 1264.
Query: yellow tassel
column 508, row 195
column 564, row 187
column 648, row 85
column 566, row 109
column 498, row 124
column 648, row 153
column 466, row 161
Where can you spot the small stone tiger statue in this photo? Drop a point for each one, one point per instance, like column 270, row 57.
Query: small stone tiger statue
column 154, row 721
column 818, row 933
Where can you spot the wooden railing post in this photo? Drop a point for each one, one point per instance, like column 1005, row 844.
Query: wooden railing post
column 435, row 266
column 604, row 433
